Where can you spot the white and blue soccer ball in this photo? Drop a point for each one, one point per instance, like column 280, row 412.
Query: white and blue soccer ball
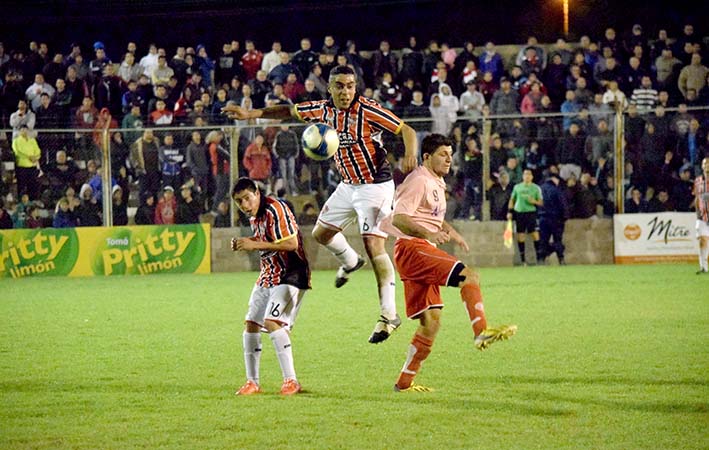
column 320, row 141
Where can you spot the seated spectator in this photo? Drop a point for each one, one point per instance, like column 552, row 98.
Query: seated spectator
column 145, row 215
column 32, row 219
column 293, row 88
column 63, row 217
column 636, row 203
column 188, row 208
column 223, row 218
column 661, row 202
column 167, row 207
column 310, row 93
column 5, row 219
column 89, row 211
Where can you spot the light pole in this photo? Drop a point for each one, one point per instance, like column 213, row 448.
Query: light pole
column 566, row 17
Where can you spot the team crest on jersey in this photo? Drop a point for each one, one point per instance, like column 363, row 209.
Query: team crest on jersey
column 346, row 139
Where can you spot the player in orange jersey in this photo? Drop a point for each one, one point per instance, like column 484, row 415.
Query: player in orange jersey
column 366, row 192
column 419, row 225
column 278, row 293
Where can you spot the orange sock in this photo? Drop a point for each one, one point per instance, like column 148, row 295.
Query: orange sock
column 473, row 299
column 419, row 350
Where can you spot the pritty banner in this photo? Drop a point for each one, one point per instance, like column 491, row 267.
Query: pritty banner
column 77, row 252
column 655, row 238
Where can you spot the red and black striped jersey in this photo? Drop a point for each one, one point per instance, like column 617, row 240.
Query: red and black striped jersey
column 361, row 158
column 701, row 191
column 275, row 222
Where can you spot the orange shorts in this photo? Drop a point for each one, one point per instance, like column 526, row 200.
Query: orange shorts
column 422, row 268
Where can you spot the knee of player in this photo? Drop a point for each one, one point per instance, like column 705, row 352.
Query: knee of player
column 252, row 327
column 469, row 276
column 272, row 325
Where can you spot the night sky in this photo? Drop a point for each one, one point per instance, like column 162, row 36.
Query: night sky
column 214, row 22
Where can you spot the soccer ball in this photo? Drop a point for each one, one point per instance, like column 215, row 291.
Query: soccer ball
column 320, row 141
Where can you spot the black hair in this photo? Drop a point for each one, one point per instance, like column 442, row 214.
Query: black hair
column 244, row 183
column 431, row 143
column 342, row 70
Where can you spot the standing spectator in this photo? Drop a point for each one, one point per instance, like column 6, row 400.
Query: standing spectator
column 412, row 61
column 220, row 161
column 692, row 76
column 227, row 66
column 27, row 156
column 128, row 70
column 552, row 216
column 491, row 61
column 257, row 161
column 223, row 218
column 504, row 101
column 171, row 159
column 472, row 101
column 251, row 60
column 272, row 58
column 286, row 148
column 570, row 154
column 205, row 65
column 525, row 199
column 383, row 61
column 471, row 165
column 98, row 64
column 145, row 215
column 305, row 57
column 198, row 164
column 144, row 159
column 167, row 207
column 5, row 218
column 150, row 61
column 499, row 195
column 293, row 88
column 260, row 87
column 645, row 97
column 133, row 121
column 162, row 72
column 23, row 117
column 667, row 68
column 35, row 91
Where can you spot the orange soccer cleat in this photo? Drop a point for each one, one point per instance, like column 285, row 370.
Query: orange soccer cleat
column 250, row 388
column 290, row 387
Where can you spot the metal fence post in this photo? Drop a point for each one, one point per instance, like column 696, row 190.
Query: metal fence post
column 106, row 185
column 234, row 133
column 619, row 160
column 487, row 132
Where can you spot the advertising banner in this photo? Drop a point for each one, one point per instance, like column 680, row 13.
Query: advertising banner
column 655, row 238
column 137, row 250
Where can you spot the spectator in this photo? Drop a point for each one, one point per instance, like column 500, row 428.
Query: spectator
column 228, row 66
column 644, row 96
column 144, row 159
column 286, row 148
column 27, row 156
column 503, row 102
column 167, row 207
column 272, row 58
column 412, row 61
column 491, row 61
column 570, row 153
column 293, row 88
column 310, row 93
column 88, row 213
column 279, row 74
column 23, row 117
column 251, row 60
column 128, row 70
column 552, row 215
column 614, row 97
column 35, row 91
column 5, row 219
column 499, row 195
column 260, row 87
column 257, row 161
column 223, row 218
column 149, row 62
column 692, row 76
column 32, row 219
column 472, row 101
column 98, row 64
column 661, row 202
column 304, row 58
column 63, row 217
column 145, row 215
column 188, row 208
column 220, row 161
column 171, row 158
column 599, row 145
column 198, row 164
column 383, row 61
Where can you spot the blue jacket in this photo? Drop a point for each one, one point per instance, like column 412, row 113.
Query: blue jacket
column 555, row 207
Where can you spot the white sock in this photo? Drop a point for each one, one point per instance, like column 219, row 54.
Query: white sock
column 252, row 355
column 284, row 352
column 384, row 271
column 341, row 249
column 703, row 255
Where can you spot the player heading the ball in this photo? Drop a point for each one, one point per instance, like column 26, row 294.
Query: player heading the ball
column 366, row 192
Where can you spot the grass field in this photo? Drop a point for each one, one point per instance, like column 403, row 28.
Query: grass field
column 605, row 357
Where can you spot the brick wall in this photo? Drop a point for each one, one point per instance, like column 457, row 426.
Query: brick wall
column 588, row 241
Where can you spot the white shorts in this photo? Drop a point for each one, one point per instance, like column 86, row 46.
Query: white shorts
column 280, row 304
column 702, row 228
column 368, row 203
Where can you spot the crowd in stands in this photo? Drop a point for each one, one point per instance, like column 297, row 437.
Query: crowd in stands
column 656, row 81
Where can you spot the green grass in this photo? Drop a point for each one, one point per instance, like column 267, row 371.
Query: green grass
column 605, row 357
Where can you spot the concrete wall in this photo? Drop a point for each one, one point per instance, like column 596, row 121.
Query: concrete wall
column 588, row 241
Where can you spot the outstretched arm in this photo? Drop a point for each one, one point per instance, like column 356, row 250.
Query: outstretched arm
column 279, row 112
